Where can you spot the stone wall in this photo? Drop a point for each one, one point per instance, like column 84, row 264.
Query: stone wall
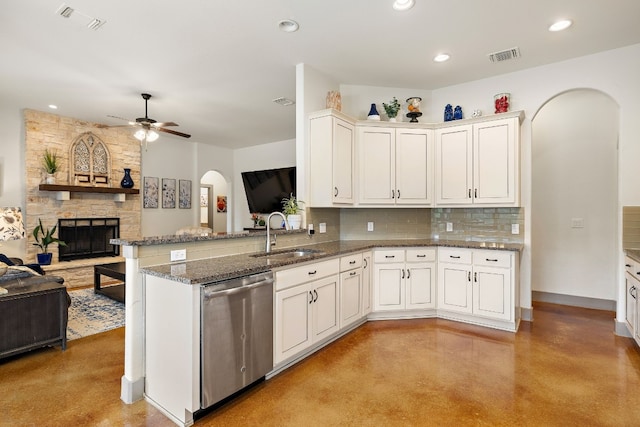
column 53, row 132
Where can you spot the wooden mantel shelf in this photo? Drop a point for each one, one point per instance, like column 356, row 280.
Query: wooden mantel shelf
column 63, row 192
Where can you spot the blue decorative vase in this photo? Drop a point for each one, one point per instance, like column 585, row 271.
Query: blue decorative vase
column 448, row 113
column 457, row 113
column 373, row 113
column 127, row 182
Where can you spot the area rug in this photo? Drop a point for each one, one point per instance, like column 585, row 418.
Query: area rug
column 92, row 313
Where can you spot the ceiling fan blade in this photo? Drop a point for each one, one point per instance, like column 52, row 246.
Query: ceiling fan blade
column 184, row 135
column 160, row 125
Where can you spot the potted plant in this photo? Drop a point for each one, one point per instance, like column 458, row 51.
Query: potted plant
column 392, row 109
column 50, row 165
column 44, row 237
column 291, row 208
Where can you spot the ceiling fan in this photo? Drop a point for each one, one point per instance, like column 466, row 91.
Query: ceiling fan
column 150, row 125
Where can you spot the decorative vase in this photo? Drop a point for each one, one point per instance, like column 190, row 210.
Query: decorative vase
column 50, row 179
column 373, row 113
column 126, row 182
column 392, row 119
column 448, row 113
column 294, row 221
column 44, row 259
column 502, row 101
column 457, row 113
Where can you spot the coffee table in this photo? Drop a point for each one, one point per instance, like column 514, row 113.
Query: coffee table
column 115, row 270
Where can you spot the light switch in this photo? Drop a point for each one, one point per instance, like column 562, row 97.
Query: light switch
column 323, row 227
column 515, row 228
column 370, row 226
column 449, row 226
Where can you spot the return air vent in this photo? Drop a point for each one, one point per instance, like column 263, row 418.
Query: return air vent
column 505, row 55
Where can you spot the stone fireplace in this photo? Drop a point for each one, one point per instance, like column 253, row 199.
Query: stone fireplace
column 88, row 177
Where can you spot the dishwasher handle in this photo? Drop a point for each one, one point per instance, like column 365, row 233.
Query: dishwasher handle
column 238, row 289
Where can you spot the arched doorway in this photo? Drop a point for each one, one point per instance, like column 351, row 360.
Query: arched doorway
column 574, row 200
column 214, row 202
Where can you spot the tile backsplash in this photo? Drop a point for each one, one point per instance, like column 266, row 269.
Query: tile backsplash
column 631, row 227
column 493, row 224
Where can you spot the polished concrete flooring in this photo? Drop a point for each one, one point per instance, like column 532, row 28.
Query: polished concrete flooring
column 565, row 369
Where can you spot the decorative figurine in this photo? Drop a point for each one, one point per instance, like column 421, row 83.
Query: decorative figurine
column 448, row 113
column 373, row 113
column 414, row 108
column 476, row 113
column 457, row 113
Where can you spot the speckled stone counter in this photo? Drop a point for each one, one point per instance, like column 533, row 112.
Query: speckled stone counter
column 633, row 254
column 216, row 269
column 185, row 238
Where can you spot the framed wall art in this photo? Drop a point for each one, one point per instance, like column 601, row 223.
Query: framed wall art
column 168, row 193
column 151, row 192
column 221, row 203
column 184, row 194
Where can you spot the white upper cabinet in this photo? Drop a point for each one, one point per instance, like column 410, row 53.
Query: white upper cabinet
column 331, row 159
column 478, row 164
column 395, row 166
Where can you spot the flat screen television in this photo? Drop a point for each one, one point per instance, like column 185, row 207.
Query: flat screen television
column 265, row 189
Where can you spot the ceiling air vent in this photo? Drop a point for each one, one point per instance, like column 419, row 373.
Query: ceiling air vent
column 283, row 101
column 505, row 55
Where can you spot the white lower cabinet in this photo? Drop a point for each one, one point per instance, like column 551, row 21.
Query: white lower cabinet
column 479, row 283
column 404, row 279
column 305, row 313
column 350, row 289
column 632, row 283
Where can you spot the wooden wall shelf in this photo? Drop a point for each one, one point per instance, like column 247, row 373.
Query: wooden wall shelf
column 63, row 192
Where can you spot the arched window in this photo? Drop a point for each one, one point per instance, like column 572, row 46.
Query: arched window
column 90, row 160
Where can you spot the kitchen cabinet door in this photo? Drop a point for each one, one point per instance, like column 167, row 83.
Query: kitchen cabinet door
column 367, row 267
column 492, row 292
column 631, row 286
column 389, row 286
column 421, row 285
column 454, row 287
column 350, row 297
column 376, row 152
column 414, row 167
column 292, row 321
column 324, row 307
column 454, row 165
column 495, row 161
column 331, row 159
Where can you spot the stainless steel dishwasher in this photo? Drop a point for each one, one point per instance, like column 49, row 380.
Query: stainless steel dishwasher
column 236, row 335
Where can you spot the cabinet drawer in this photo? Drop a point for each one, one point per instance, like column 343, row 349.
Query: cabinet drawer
column 492, row 258
column 349, row 262
column 454, row 255
column 305, row 273
column 421, row 255
column 388, row 255
column 630, row 267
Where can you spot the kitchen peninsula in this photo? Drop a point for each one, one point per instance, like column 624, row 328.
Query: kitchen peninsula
column 216, row 258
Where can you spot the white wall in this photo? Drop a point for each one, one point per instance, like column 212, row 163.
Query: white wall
column 267, row 156
column 574, row 176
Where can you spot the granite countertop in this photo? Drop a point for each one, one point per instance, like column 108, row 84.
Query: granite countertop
column 182, row 238
column 212, row 270
column 633, row 254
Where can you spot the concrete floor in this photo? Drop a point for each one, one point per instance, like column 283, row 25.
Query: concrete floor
column 565, row 369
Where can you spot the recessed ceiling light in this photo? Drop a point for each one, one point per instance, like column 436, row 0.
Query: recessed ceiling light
column 53, row 107
column 441, row 57
column 403, row 4
column 560, row 25
column 288, row 25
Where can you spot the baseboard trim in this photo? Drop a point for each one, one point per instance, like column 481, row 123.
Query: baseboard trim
column 526, row 314
column 620, row 328
column 584, row 302
column 131, row 391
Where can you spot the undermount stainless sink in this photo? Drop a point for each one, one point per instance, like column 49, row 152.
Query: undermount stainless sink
column 288, row 254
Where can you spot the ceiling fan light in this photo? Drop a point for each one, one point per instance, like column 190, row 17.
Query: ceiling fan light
column 152, row 136
column 140, row 135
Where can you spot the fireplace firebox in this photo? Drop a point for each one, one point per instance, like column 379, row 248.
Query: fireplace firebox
column 88, row 238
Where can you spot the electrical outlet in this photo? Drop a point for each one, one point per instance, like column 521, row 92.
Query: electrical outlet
column 577, row 222
column 310, row 229
column 449, row 226
column 178, row 255
column 323, row 227
column 515, row 228
column 370, row 226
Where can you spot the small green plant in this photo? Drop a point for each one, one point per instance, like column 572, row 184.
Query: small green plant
column 392, row 108
column 44, row 237
column 50, row 161
column 291, row 205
